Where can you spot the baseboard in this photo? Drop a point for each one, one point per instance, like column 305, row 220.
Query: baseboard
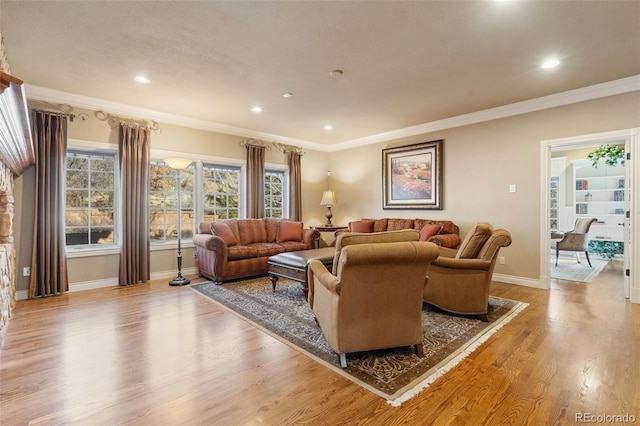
column 635, row 295
column 511, row 279
column 110, row 282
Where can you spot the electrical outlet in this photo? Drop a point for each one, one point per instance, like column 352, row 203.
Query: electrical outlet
column 26, row 271
column 501, row 259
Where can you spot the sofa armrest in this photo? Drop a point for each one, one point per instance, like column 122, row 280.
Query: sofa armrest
column 310, row 237
column 446, row 240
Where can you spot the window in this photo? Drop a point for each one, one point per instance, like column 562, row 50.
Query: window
column 221, row 195
column 273, row 193
column 90, row 199
column 163, row 202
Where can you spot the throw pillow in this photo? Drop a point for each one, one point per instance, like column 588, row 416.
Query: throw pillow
column 290, row 231
column 223, row 231
column 474, row 241
column 429, row 230
column 361, row 226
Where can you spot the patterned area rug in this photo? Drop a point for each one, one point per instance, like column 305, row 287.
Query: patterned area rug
column 394, row 374
column 569, row 269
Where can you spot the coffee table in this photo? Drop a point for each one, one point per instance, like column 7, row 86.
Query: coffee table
column 294, row 265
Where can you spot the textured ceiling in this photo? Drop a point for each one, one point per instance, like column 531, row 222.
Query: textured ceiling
column 405, row 63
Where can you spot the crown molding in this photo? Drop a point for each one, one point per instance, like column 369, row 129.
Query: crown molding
column 611, row 88
column 602, row 90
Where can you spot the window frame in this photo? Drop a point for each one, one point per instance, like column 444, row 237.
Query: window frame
column 280, row 168
column 86, row 250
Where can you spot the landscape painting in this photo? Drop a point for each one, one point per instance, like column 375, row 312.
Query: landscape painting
column 412, row 176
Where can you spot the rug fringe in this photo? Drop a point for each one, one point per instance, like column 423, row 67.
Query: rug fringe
column 397, row 402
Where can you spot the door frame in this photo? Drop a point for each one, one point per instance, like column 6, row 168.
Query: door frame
column 632, row 229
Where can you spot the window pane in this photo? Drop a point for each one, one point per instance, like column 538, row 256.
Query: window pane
column 163, row 202
column 221, row 196
column 273, row 193
column 90, row 198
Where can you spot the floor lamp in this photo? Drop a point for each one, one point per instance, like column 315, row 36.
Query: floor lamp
column 179, row 164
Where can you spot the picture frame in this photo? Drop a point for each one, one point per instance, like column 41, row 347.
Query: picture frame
column 412, row 176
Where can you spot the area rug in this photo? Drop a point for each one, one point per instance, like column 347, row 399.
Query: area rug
column 394, row 374
column 569, row 269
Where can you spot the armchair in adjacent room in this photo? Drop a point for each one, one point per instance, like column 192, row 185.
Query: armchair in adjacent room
column 374, row 301
column 576, row 240
column 459, row 280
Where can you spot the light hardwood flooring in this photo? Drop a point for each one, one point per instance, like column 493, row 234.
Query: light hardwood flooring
column 152, row 354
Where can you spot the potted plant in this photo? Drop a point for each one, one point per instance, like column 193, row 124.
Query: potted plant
column 612, row 154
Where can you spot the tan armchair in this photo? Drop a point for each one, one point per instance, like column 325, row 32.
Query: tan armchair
column 374, row 301
column 576, row 240
column 459, row 281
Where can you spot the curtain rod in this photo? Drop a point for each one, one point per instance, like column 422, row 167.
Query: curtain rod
column 285, row 149
column 254, row 142
column 59, row 109
column 114, row 121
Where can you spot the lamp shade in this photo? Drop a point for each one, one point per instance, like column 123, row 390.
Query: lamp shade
column 178, row 163
column 328, row 198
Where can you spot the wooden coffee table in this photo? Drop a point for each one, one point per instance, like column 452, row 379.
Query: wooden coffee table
column 294, row 265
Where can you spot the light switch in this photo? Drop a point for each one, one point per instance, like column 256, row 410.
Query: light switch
column 512, row 187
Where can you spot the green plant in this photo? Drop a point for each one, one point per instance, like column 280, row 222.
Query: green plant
column 612, row 154
column 606, row 249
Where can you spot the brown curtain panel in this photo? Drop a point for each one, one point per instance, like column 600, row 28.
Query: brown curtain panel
column 295, row 185
column 134, row 150
column 255, row 181
column 48, row 258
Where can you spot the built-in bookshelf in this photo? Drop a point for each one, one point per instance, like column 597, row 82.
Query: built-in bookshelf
column 599, row 193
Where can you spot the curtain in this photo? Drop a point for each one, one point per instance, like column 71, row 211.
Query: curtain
column 255, row 181
column 295, row 185
column 48, row 258
column 134, row 150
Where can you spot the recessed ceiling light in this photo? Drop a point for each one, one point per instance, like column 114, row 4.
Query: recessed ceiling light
column 287, row 95
column 142, row 79
column 328, row 127
column 550, row 63
column 256, row 109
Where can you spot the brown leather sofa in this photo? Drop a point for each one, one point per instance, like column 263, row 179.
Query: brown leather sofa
column 371, row 284
column 443, row 233
column 239, row 248
column 459, row 281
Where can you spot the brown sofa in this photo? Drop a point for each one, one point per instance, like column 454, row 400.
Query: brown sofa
column 442, row 233
column 239, row 248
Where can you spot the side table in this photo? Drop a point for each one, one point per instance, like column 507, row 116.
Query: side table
column 325, row 228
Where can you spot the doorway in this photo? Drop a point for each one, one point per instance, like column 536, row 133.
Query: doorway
column 609, row 228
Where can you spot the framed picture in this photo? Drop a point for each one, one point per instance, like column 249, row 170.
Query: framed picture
column 412, row 176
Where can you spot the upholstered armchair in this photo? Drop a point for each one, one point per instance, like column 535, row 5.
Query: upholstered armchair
column 459, row 281
column 374, row 301
column 576, row 240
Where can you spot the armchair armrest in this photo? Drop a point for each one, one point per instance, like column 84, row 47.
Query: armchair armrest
column 317, row 270
column 310, row 237
column 468, row 264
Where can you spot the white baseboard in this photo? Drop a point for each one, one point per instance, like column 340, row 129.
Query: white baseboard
column 511, row 279
column 110, row 282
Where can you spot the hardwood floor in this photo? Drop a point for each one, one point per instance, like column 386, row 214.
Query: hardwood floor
column 155, row 354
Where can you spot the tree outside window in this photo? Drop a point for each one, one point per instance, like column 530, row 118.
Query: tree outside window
column 221, row 195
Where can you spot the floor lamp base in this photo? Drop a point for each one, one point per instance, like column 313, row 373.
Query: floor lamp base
column 179, row 280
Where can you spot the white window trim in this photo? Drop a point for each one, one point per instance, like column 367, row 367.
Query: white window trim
column 106, row 249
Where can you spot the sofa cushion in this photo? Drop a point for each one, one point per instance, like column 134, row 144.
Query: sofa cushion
column 293, row 245
column 222, row 230
column 361, row 226
column 241, row 252
column 252, row 231
column 289, row 231
column 429, row 230
column 474, row 241
column 379, row 225
column 267, row 249
column 399, row 224
column 271, row 225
